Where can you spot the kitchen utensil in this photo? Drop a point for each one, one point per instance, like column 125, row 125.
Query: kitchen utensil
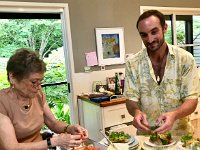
column 88, row 142
column 95, row 144
column 109, row 141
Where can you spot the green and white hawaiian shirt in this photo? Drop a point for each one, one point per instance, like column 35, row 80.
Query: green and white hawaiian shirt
column 180, row 82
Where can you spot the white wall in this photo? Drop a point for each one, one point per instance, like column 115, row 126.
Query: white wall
column 82, row 83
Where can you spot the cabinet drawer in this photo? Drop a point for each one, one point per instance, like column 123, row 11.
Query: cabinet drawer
column 114, row 115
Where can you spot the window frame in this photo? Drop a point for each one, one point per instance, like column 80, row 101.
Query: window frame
column 177, row 14
column 174, row 11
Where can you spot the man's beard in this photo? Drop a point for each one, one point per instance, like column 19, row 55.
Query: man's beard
column 154, row 46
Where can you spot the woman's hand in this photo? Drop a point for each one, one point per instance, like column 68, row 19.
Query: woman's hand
column 78, row 130
column 67, row 140
column 74, row 137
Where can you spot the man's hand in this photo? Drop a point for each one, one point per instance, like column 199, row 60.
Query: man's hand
column 165, row 122
column 140, row 122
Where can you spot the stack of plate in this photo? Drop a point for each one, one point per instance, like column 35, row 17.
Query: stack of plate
column 155, row 146
column 130, row 145
column 133, row 143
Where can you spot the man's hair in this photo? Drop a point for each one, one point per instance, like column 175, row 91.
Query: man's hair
column 155, row 13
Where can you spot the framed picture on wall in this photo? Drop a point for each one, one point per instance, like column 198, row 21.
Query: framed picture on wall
column 110, row 46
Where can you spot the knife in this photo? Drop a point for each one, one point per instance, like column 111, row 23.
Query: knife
column 109, row 141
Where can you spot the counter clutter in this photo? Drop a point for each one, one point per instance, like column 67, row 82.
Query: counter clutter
column 96, row 116
column 185, row 142
column 143, row 143
column 99, row 97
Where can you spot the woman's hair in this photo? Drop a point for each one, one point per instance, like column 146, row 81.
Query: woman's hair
column 155, row 13
column 24, row 62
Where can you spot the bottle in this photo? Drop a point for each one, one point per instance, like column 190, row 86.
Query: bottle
column 121, row 81
column 117, row 84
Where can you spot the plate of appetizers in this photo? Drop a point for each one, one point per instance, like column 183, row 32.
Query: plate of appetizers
column 160, row 140
column 120, row 137
column 188, row 141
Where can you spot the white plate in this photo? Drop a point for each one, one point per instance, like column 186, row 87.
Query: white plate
column 131, row 140
column 132, row 143
column 126, row 146
column 179, row 146
column 158, row 146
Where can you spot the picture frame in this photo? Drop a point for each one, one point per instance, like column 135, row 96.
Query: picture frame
column 100, row 88
column 111, row 83
column 110, row 46
column 94, row 85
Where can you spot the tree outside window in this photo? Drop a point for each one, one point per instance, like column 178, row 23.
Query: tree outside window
column 45, row 37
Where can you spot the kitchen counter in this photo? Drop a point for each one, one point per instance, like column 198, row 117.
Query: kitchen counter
column 143, row 146
column 105, row 103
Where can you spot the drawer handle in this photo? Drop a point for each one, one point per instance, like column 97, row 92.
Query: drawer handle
column 196, row 112
column 123, row 116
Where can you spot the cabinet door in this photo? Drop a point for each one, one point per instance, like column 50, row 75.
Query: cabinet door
column 115, row 115
column 91, row 119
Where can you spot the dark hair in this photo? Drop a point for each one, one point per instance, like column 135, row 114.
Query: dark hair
column 155, row 13
column 24, row 62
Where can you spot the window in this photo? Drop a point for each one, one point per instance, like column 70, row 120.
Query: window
column 183, row 28
column 45, row 11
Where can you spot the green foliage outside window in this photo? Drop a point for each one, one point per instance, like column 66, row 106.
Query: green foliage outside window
column 180, row 32
column 57, row 95
column 44, row 36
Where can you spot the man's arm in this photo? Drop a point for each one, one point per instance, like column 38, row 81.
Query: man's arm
column 169, row 118
column 132, row 107
column 186, row 108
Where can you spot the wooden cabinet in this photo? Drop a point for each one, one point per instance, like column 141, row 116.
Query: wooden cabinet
column 102, row 116
column 114, row 115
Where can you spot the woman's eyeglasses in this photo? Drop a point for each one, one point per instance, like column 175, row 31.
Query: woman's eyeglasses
column 37, row 83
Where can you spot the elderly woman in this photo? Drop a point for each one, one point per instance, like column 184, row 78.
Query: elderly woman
column 24, row 109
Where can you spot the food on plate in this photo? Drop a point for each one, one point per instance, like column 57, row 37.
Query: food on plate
column 161, row 139
column 119, row 137
column 154, row 127
column 189, row 141
column 89, row 147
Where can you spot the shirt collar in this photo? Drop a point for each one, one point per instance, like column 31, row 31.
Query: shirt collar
column 170, row 48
